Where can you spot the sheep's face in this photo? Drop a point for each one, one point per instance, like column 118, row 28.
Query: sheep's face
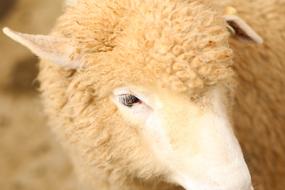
column 190, row 141
column 152, row 97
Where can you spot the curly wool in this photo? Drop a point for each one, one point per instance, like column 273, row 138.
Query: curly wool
column 196, row 56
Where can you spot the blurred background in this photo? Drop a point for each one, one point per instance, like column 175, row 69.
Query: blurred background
column 30, row 158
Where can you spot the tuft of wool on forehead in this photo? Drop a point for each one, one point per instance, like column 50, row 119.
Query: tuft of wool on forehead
column 184, row 43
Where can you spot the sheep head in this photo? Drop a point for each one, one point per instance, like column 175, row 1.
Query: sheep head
column 151, row 94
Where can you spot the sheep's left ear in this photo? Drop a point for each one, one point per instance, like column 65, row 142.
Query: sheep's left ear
column 54, row 49
column 241, row 30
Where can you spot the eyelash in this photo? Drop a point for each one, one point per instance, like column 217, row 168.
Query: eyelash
column 129, row 100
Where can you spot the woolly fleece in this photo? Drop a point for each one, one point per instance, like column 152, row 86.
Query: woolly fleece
column 178, row 45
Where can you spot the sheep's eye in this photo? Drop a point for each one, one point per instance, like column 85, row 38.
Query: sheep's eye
column 129, row 100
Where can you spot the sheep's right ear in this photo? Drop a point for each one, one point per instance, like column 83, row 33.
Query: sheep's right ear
column 54, row 49
column 241, row 30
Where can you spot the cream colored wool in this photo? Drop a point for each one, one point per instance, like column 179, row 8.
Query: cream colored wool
column 180, row 46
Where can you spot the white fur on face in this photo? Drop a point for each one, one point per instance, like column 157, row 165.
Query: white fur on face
column 197, row 146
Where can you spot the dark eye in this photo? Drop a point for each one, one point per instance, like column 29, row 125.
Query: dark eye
column 128, row 100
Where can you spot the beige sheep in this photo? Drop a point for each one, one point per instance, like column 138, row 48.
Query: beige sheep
column 141, row 93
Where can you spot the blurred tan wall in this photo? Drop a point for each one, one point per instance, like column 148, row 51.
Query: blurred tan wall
column 30, row 158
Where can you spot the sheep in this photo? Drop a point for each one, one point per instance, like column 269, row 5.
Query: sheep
column 141, row 93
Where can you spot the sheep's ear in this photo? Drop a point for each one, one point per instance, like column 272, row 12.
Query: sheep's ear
column 241, row 30
column 54, row 49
